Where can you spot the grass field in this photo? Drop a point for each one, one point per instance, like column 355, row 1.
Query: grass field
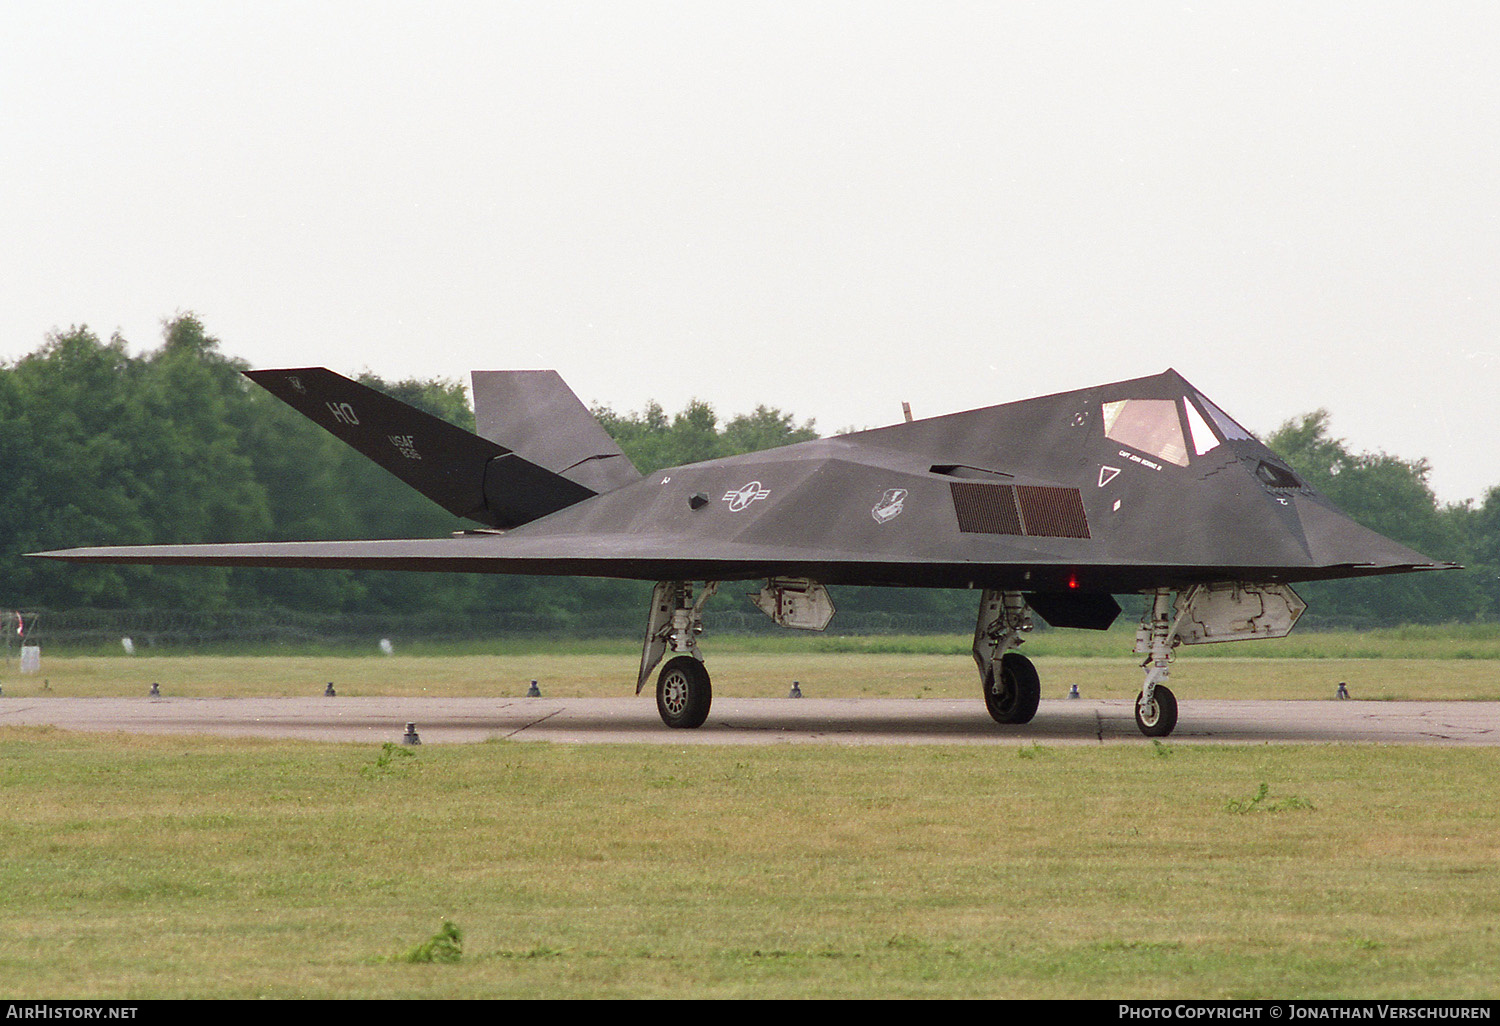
column 142, row 867
column 1414, row 663
column 139, row 867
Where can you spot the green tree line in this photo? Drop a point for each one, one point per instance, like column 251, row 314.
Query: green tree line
column 1391, row 495
column 102, row 447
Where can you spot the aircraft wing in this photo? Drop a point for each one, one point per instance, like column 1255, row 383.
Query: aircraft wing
column 636, row 557
column 659, row 558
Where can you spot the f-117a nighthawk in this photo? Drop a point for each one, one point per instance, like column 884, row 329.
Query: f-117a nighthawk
column 1050, row 506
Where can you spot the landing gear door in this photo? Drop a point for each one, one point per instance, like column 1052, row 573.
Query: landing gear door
column 1236, row 611
column 795, row 602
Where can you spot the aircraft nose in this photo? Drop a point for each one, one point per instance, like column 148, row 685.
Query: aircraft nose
column 1333, row 539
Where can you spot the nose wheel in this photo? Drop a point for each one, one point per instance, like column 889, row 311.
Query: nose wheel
column 1156, row 706
column 1157, row 717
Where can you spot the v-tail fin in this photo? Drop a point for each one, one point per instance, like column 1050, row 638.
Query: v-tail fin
column 538, row 415
column 469, row 476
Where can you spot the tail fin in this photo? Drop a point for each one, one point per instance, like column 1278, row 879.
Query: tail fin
column 538, row 414
column 469, row 476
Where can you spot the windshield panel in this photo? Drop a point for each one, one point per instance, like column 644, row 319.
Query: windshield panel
column 1150, row 425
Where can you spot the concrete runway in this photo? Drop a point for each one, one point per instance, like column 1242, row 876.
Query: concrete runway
column 762, row 720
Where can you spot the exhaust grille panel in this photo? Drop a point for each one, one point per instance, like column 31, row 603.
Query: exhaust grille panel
column 1036, row 511
column 1053, row 512
column 985, row 508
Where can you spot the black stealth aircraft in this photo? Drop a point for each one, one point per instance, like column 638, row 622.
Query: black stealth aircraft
column 1051, row 505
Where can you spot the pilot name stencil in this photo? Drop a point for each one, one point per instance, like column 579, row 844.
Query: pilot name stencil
column 1133, row 458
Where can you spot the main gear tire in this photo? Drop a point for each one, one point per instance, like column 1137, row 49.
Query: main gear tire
column 683, row 693
column 1012, row 690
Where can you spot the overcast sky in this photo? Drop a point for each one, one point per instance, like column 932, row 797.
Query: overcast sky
column 825, row 207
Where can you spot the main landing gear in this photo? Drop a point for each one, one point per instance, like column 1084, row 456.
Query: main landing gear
column 1011, row 686
column 1012, row 690
column 683, row 690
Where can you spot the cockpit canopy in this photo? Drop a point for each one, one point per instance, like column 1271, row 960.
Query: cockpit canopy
column 1171, row 430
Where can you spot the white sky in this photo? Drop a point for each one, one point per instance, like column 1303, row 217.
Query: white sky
column 825, row 207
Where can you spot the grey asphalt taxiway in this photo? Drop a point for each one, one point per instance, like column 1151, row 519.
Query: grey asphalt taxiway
column 761, row 720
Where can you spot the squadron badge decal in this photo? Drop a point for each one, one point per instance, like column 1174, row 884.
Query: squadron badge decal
column 890, row 505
